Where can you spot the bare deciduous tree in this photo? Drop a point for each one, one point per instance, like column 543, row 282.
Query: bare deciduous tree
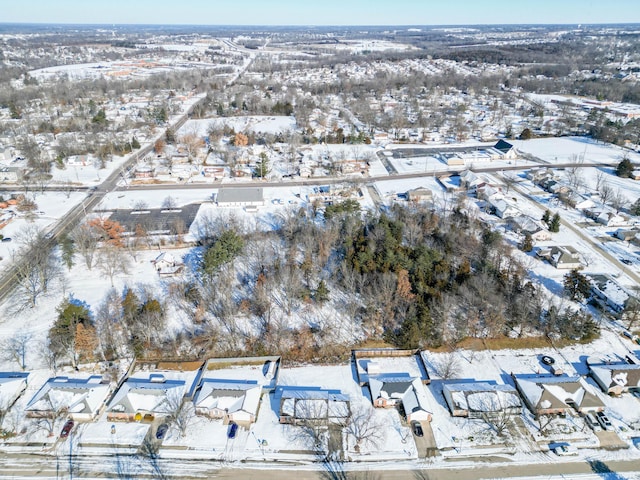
column 15, row 348
column 112, row 261
column 364, row 427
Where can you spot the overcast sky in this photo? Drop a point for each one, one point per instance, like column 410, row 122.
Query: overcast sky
column 320, row 12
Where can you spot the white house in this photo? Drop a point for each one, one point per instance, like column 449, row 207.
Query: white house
column 143, row 398
column 166, row 264
column 81, row 398
column 233, row 400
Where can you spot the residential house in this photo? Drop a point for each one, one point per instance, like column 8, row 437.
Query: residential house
column 80, row 398
column 552, row 395
column 611, row 219
column 477, row 399
column 503, row 209
column 144, row 171
column 608, row 292
column 12, row 385
column 10, row 174
column 394, row 389
column 214, row 171
column 616, row 378
column 561, row 256
column 525, row 224
column 166, row 265
column 627, row 235
column 145, row 397
column 78, row 160
column 233, row 400
column 312, row 404
column 420, row 195
column 507, row 150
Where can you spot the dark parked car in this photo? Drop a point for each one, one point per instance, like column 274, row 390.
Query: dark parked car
column 162, row 431
column 6, row 239
column 547, row 360
column 417, row 429
column 66, row 429
column 233, row 429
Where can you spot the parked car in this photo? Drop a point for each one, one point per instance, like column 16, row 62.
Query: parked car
column 547, row 360
column 162, row 431
column 66, row 430
column 565, row 450
column 417, row 429
column 636, row 442
column 591, row 420
column 604, row 421
column 6, row 239
column 233, row 429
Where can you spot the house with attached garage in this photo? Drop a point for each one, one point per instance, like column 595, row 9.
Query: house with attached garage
column 561, row 256
column 400, row 389
column 312, row 404
column 478, row 399
column 608, row 292
column 153, row 392
column 80, row 398
column 232, row 400
column 525, row 224
column 615, row 378
column 554, row 395
column 145, row 398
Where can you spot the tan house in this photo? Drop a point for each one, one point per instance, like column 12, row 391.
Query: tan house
column 554, row 395
column 616, row 378
column 476, row 399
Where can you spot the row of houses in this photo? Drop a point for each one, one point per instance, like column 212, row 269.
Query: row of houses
column 232, row 389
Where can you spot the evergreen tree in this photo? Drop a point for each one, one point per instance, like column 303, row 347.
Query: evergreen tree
column 100, row 118
column 228, row 245
column 546, row 217
column 554, row 225
column 576, row 286
column 527, row 243
column 262, row 167
column 67, row 249
column 321, row 294
column 624, row 168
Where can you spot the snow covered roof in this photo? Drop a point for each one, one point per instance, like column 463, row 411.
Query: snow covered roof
column 621, row 375
column 482, row 396
column 11, row 385
column 147, row 394
column 229, row 395
column 390, row 385
column 77, row 395
column 311, row 393
column 557, row 392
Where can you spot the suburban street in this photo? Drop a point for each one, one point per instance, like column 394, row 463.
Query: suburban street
column 107, row 466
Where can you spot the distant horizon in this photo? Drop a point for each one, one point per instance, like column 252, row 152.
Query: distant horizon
column 294, row 25
column 328, row 13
